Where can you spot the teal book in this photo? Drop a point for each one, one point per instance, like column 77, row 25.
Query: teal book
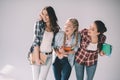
column 107, row 49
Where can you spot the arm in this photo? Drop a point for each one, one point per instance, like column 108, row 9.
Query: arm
column 36, row 38
column 34, row 48
column 37, row 54
column 58, row 43
column 102, row 40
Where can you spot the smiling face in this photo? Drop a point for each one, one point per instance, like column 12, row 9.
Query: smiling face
column 69, row 28
column 92, row 31
column 45, row 16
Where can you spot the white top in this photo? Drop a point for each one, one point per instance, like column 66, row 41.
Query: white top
column 92, row 46
column 46, row 42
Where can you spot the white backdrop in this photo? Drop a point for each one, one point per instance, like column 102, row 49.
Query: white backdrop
column 17, row 18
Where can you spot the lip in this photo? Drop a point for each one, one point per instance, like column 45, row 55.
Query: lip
column 67, row 31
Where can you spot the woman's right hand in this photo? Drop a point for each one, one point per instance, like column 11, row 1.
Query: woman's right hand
column 36, row 55
column 31, row 58
column 37, row 62
column 61, row 53
column 40, row 16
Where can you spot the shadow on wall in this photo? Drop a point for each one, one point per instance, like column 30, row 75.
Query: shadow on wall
column 6, row 71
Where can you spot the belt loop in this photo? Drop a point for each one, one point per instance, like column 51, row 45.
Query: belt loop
column 48, row 53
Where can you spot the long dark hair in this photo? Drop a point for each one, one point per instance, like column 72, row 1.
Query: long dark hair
column 53, row 18
column 101, row 28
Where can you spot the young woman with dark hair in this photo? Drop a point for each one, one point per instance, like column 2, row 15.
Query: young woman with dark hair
column 91, row 44
column 45, row 31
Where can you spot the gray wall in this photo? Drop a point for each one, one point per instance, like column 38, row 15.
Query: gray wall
column 17, row 18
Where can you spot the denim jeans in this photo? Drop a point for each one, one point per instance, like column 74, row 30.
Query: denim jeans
column 90, row 70
column 62, row 69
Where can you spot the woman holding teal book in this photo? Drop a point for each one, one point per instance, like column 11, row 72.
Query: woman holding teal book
column 92, row 40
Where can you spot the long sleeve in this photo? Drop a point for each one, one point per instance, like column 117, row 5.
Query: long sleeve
column 36, row 41
column 59, row 39
column 39, row 30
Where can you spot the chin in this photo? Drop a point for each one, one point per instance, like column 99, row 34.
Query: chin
column 45, row 20
column 89, row 34
column 66, row 33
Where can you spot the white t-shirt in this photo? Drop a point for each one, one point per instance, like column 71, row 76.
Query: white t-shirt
column 46, row 42
column 92, row 46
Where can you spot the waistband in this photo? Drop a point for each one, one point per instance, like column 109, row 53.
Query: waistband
column 47, row 53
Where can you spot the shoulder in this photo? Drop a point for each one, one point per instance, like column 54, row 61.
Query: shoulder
column 102, row 38
column 40, row 24
column 39, row 27
column 60, row 33
column 83, row 32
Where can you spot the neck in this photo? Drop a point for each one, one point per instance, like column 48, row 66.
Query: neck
column 47, row 23
column 94, row 39
column 48, row 26
column 94, row 36
column 68, row 36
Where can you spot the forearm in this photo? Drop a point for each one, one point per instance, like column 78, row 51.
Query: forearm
column 70, row 52
column 36, row 53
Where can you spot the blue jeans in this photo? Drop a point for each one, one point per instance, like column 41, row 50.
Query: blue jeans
column 62, row 69
column 79, row 69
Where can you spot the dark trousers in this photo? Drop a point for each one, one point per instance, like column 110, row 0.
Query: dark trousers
column 61, row 68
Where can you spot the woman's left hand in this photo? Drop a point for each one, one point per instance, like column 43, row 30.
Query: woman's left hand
column 102, row 53
column 60, row 55
column 61, row 50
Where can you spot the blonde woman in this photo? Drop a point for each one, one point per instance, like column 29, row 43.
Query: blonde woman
column 66, row 44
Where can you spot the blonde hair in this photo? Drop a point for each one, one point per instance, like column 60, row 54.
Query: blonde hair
column 75, row 23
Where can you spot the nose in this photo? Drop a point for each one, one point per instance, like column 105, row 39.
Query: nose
column 65, row 26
